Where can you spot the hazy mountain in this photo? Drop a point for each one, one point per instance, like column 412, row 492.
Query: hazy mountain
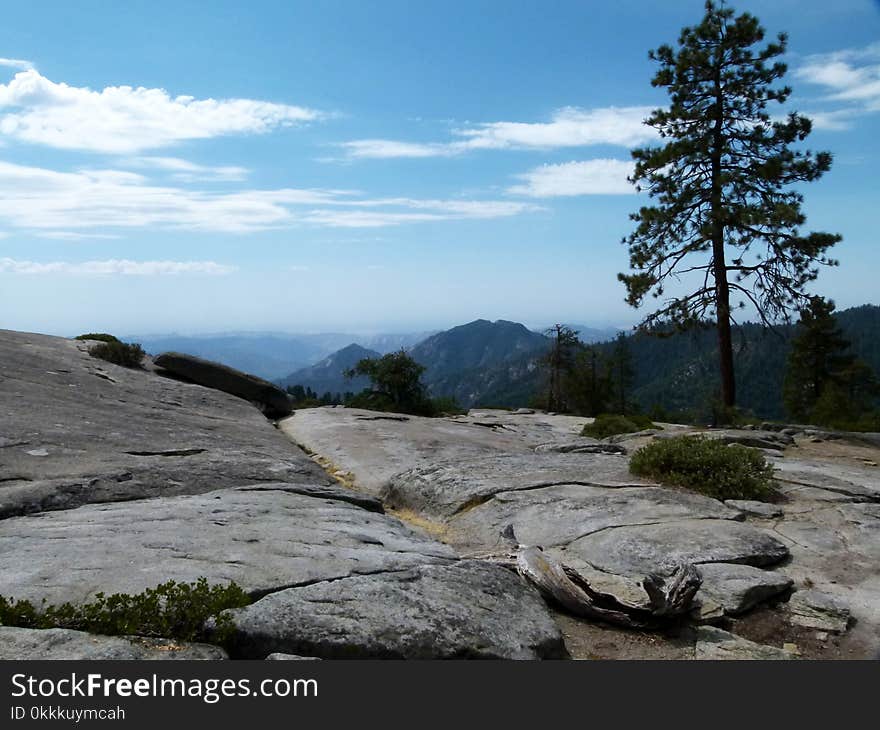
column 588, row 335
column 268, row 355
column 328, row 375
column 476, row 359
column 271, row 355
column 384, row 344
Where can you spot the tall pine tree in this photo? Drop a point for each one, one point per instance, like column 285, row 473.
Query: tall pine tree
column 726, row 221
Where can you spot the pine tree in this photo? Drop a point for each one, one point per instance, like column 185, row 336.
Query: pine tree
column 559, row 359
column 726, row 221
column 824, row 382
column 622, row 372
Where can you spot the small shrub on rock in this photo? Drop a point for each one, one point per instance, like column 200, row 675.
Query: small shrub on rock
column 707, row 466
column 609, row 424
column 119, row 353
column 100, row 336
column 170, row 610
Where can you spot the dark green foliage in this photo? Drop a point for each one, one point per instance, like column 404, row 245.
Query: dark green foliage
column 825, row 383
column 101, row 336
column 609, row 424
column 707, row 466
column 725, row 215
column 396, row 386
column 559, row 360
column 170, row 610
column 112, row 349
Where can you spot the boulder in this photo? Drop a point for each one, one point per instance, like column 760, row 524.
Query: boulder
column 817, row 610
column 41, row 644
column 273, row 401
column 714, row 644
column 638, row 550
column 466, row 610
column 738, row 588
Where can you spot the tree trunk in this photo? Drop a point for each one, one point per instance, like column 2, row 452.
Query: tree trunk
column 719, row 266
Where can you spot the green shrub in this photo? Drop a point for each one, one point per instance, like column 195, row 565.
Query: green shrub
column 102, row 336
column 170, row 610
column 608, row 424
column 706, row 465
column 119, row 353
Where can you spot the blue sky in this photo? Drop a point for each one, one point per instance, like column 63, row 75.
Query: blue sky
column 357, row 166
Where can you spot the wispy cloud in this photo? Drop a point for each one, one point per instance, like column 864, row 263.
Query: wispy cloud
column 187, row 171
column 850, row 77
column 590, row 177
column 75, row 236
column 41, row 201
column 122, row 267
column 568, row 127
column 125, row 119
column 16, row 63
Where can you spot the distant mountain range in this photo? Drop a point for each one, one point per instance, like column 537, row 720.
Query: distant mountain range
column 272, row 355
column 328, row 375
column 485, row 363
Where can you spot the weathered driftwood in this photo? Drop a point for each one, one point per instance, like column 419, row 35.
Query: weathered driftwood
column 667, row 596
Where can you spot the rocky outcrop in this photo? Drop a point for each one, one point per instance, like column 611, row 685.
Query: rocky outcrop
column 264, row 539
column 41, row 644
column 273, row 401
column 79, row 430
column 465, row 610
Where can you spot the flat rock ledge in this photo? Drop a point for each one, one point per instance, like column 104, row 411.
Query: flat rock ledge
column 21, row 644
column 467, row 610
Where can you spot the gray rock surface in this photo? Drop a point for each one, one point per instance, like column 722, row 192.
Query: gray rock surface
column 445, row 487
column 817, row 610
column 561, row 514
column 76, row 429
column 273, row 401
column 755, row 509
column 738, row 588
column 467, row 609
column 638, row 550
column 852, row 480
column 263, row 539
column 373, row 450
column 715, row 644
column 41, row 644
column 281, row 657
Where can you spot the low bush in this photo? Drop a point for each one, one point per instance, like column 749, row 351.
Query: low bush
column 170, row 610
column 101, row 336
column 119, row 353
column 707, row 466
column 608, row 424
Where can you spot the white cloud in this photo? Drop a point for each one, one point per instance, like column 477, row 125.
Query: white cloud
column 125, row 119
column 16, row 63
column 388, row 148
column 568, row 127
column 74, row 236
column 590, row 177
column 43, row 201
column 850, row 76
column 187, row 171
column 114, row 267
